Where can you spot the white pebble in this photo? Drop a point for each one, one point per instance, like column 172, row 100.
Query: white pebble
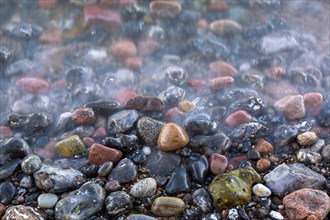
column 276, row 215
column 261, row 190
column 146, row 150
column 47, row 200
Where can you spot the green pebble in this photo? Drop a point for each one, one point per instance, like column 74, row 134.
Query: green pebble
column 70, row 146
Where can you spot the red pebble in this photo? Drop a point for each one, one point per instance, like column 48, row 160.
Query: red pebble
column 83, row 116
column 100, row 15
column 123, row 48
column 237, row 118
column 88, row 141
column 123, row 95
column 264, row 147
column 133, row 63
column 236, row 161
column 33, row 85
column 47, row 3
column 99, row 154
column 313, row 102
column 100, row 133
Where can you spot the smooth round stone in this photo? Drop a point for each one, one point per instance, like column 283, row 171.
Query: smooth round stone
column 31, row 163
column 253, row 154
column 199, row 124
column 261, row 190
column 149, row 130
column 292, row 107
column 105, row 169
column 33, row 85
column 326, row 153
column 263, row 165
column 140, row 217
column 167, row 206
column 118, row 202
column 100, row 154
column 165, row 8
column 264, row 147
column 9, row 168
column 276, row 215
column 221, row 82
column 218, row 163
column 23, row 212
column 70, row 146
column 145, row 103
column 123, row 48
column 179, row 182
column 318, row 146
column 225, row 27
column 313, row 102
column 307, row 138
column 146, row 150
column 26, row 182
column 221, row 68
column 112, row 186
column 172, row 137
column 15, row 148
column 198, row 168
column 237, row 118
column 144, row 188
column 186, row 105
column 125, row 171
column 7, row 192
column 47, row 200
column 121, row 121
column 83, row 116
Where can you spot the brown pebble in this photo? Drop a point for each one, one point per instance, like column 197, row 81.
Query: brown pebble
column 307, row 138
column 263, row 165
column 313, row 102
column 292, row 107
column 165, row 8
column 237, row 118
column 88, row 141
column 225, row 27
column 33, row 85
column 83, row 116
column 99, row 154
column 264, row 147
column 222, row 68
column 221, row 82
column 2, row 209
column 197, row 84
column 224, row 213
column 186, row 105
column 172, row 137
column 217, row 5
column 236, row 161
column 133, row 63
column 275, row 73
column 112, row 186
column 202, row 24
column 96, row 15
column 310, row 204
column 123, row 48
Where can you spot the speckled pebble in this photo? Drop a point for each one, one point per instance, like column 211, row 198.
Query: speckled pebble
column 144, row 188
column 70, row 146
column 307, row 138
column 31, row 163
column 167, row 206
column 261, row 190
column 83, row 116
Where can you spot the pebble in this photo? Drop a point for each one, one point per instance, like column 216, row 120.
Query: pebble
column 175, row 115
column 307, row 204
column 161, row 165
column 112, row 186
column 217, row 143
column 318, row 146
column 225, row 27
column 149, row 130
column 30, row 164
column 176, row 75
column 221, row 82
column 6, row 55
column 104, row 107
column 70, row 146
column 172, row 137
column 292, row 107
column 222, row 68
column 264, row 147
column 218, row 163
column 15, row 148
column 202, row 199
column 277, row 42
column 306, row 156
column 261, row 190
column 313, row 102
column 94, row 14
column 7, row 192
column 121, row 121
column 123, row 48
column 237, row 118
column 140, row 217
column 233, row 188
column 198, row 168
column 167, row 206
column 186, row 105
column 172, row 95
column 81, row 203
column 145, row 103
column 26, row 182
column 147, row 47
column 253, row 154
column 33, row 123
column 179, row 182
column 118, row 203
column 284, row 134
column 307, row 138
column 47, row 200
column 33, row 85
column 233, row 214
column 2, row 210
column 144, row 188
column 289, row 178
column 56, row 180
column 164, row 8
column 23, row 212
column 198, row 124
column 5, row 132
column 125, row 171
column 83, row 116
column 105, row 169
column 276, row 215
column 247, row 131
column 326, row 153
column 212, row 216
column 100, row 154
column 9, row 168
column 263, row 165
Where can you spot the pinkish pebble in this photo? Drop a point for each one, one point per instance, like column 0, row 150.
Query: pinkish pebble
column 88, row 141
column 237, row 118
column 175, row 115
column 83, row 116
column 133, row 63
column 264, row 147
column 221, row 68
column 99, row 154
column 5, row 132
column 100, row 133
column 33, row 85
column 95, row 15
column 221, row 82
column 123, row 48
column 48, row 151
column 218, row 163
column 313, row 102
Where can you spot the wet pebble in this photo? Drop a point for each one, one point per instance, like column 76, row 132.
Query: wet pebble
column 112, row 186
column 30, row 164
column 222, row 68
column 81, row 203
column 263, row 165
column 289, row 178
column 176, row 75
column 103, row 106
column 218, row 163
column 313, row 102
column 172, row 137
column 167, row 206
column 121, row 121
column 118, row 203
column 248, row 131
column 253, row 154
column 94, row 14
column 7, row 192
column 225, row 27
column 307, row 204
column 292, row 107
column 125, row 171
column 172, row 95
column 146, row 103
column 276, row 215
column 144, row 188
column 212, row 216
column 70, row 146
column 15, row 148
column 34, row 122
column 278, row 42
column 221, row 82
column 306, row 156
column 33, row 85
column 149, row 130
column 199, row 124
column 9, row 168
column 326, row 153
column 261, row 190
column 202, row 199
column 263, row 147
column 175, row 115
column 217, row 143
column 26, row 182
column 186, row 105
column 100, row 154
column 237, row 118
column 123, row 48
column 105, row 169
column 318, row 146
column 140, row 217
column 83, row 116
column 233, row 214
column 47, row 200
column 5, row 54
column 179, row 182
column 307, row 138
column 285, row 134
column 165, row 8
column 198, row 168
column 23, row 212
column 56, row 180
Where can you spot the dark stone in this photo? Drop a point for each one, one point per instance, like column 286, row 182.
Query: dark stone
column 29, row 123
column 137, row 156
column 90, row 170
column 161, row 164
column 7, row 192
column 252, row 104
column 149, row 130
column 323, row 118
column 178, row 182
column 198, row 168
column 121, row 121
column 145, row 103
column 78, row 75
column 199, row 124
column 285, row 134
column 9, row 168
column 15, row 147
column 172, row 95
column 5, row 54
column 125, row 171
column 212, row 216
column 242, row 213
column 253, row 155
column 247, row 132
column 126, row 143
column 202, row 199
column 104, row 107
column 118, row 203
column 191, row 214
column 245, row 164
column 218, row 113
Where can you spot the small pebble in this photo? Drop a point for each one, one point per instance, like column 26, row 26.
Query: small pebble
column 70, row 146
column 276, row 215
column 83, row 116
column 261, row 190
column 47, row 200
column 125, row 171
column 144, row 188
column 112, row 186
column 100, row 154
column 167, row 206
column 292, row 107
column 176, row 75
column 237, row 118
column 105, row 169
column 221, row 68
column 306, row 156
column 313, row 102
column 186, row 105
column 118, row 202
column 123, row 48
column 225, row 27
column 218, row 163
column 33, row 85
column 264, row 147
column 221, row 82
column 30, row 164
column 326, row 153
column 263, row 165
column 164, row 8
column 172, row 137
column 253, row 154
column 307, row 138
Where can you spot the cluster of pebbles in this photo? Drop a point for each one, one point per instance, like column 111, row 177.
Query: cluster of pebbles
column 142, row 110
